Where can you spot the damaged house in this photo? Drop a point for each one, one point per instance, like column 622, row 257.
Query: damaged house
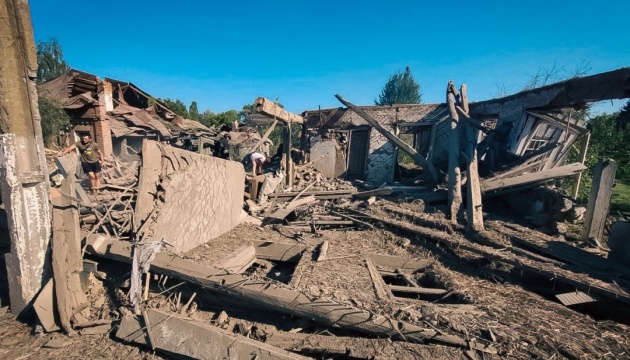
column 117, row 114
column 528, row 132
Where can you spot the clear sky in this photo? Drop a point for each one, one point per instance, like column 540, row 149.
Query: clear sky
column 224, row 54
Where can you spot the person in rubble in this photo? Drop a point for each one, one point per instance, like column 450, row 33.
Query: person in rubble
column 258, row 160
column 91, row 159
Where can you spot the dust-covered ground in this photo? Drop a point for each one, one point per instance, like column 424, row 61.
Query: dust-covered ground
column 485, row 301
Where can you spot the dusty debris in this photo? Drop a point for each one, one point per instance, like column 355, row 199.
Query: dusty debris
column 185, row 337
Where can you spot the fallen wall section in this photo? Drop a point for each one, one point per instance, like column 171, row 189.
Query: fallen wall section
column 190, row 198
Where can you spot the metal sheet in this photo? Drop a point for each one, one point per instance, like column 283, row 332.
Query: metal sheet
column 574, row 298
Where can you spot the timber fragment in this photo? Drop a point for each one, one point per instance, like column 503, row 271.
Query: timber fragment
column 44, row 306
column 67, row 261
column 192, row 339
column 599, row 200
column 276, row 296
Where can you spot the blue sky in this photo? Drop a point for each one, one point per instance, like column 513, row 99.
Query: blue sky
column 224, row 54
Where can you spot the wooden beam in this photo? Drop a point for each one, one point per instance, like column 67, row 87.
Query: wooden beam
column 539, row 176
column 275, row 296
column 454, row 174
column 555, row 274
column 379, row 285
column 270, row 250
column 323, row 251
column 271, row 109
column 192, row 339
column 417, row 158
column 599, row 199
column 559, row 123
column 265, row 137
column 581, row 158
column 287, row 154
column 474, row 211
column 417, row 290
column 376, row 192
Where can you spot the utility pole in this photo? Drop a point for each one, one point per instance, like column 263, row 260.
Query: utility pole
column 24, row 184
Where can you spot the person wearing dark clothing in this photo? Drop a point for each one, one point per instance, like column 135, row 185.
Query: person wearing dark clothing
column 91, row 159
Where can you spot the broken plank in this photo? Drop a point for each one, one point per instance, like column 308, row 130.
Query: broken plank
column 67, row 260
column 196, row 340
column 275, row 251
column 305, row 260
column 44, row 306
column 356, row 221
column 282, row 213
column 568, row 277
column 271, row 109
column 397, row 262
column 323, row 250
column 417, row 290
column 377, row 192
column 275, row 296
column 240, row 260
column 379, row 285
column 599, row 200
column 535, row 177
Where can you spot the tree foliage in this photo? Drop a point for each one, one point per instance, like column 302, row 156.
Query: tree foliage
column 401, row 88
column 610, row 136
column 193, row 111
column 54, row 119
column 50, row 61
column 177, row 106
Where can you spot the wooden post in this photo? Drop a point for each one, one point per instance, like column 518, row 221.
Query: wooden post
column 474, row 211
column 287, row 154
column 464, row 97
column 454, row 175
column 23, row 171
column 578, row 178
column 599, row 200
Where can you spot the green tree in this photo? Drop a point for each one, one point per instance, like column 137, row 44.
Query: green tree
column 227, row 117
column 208, row 118
column 177, row 106
column 623, row 120
column 248, row 109
column 193, row 111
column 401, row 88
column 609, row 139
column 54, row 119
column 50, row 62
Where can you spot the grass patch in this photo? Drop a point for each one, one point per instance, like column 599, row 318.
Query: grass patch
column 620, row 199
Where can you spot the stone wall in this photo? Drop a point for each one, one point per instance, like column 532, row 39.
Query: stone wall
column 198, row 198
column 381, row 160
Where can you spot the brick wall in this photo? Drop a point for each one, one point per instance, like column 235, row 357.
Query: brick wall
column 102, row 132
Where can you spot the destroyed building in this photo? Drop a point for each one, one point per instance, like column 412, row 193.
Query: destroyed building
column 167, row 259
column 117, row 114
column 531, row 131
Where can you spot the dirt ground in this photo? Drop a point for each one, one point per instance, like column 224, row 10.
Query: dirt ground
column 485, row 301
